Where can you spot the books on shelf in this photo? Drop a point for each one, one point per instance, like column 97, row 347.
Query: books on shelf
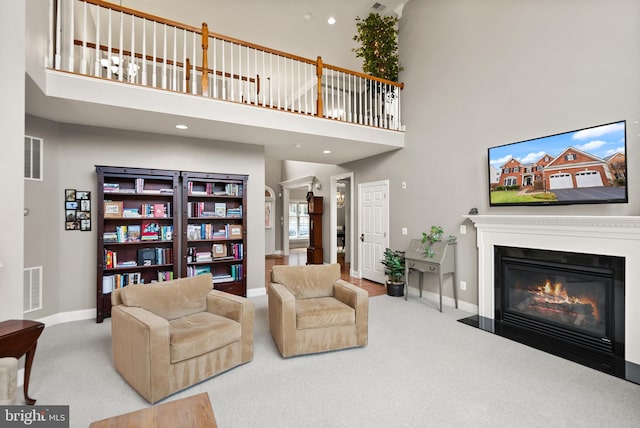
column 234, row 212
column 119, row 280
column 150, row 231
column 220, row 209
column 112, row 209
column 146, row 256
column 111, row 187
column 133, row 233
column 131, row 213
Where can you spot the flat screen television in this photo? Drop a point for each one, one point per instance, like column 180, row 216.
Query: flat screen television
column 585, row 166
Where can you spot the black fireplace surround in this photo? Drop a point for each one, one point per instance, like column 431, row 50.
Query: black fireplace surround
column 568, row 304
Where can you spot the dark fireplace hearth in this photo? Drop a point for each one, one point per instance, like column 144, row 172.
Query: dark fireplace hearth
column 568, row 304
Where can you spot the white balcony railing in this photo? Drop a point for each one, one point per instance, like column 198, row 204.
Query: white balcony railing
column 103, row 40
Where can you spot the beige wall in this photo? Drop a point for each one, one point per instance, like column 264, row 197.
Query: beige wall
column 490, row 72
column 71, row 153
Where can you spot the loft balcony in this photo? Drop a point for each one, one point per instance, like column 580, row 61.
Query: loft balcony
column 111, row 66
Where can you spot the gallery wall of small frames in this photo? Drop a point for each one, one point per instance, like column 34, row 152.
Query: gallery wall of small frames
column 77, row 210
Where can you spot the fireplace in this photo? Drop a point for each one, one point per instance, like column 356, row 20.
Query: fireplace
column 574, row 299
column 610, row 343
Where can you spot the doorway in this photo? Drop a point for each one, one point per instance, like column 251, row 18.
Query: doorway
column 341, row 221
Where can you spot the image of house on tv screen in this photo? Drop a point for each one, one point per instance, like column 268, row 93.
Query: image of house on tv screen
column 586, row 166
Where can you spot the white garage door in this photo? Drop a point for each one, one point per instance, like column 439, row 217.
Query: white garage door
column 560, row 181
column 588, row 179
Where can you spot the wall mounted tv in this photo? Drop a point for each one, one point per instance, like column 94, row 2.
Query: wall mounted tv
column 585, row 166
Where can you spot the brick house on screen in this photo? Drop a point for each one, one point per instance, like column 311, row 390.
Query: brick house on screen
column 515, row 173
column 574, row 168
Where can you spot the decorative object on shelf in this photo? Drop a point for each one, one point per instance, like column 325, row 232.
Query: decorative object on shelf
column 378, row 38
column 394, row 268
column 434, row 235
column 77, row 210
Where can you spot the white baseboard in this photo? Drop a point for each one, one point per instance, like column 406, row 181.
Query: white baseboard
column 446, row 301
column 62, row 317
column 256, row 292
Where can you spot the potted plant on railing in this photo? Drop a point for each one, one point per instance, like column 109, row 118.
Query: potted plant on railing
column 393, row 263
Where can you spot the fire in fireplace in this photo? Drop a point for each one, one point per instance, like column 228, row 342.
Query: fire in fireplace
column 573, row 298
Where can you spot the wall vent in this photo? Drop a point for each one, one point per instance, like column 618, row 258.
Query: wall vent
column 378, row 7
column 32, row 288
column 33, row 158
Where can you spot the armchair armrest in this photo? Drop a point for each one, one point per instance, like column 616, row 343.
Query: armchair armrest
column 358, row 299
column 282, row 318
column 239, row 309
column 140, row 347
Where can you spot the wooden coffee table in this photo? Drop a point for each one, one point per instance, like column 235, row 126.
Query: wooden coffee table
column 190, row 412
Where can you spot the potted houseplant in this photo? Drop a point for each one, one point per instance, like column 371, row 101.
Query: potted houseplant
column 393, row 263
column 434, row 235
column 378, row 38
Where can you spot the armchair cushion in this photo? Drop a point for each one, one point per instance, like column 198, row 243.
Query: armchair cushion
column 171, row 300
column 306, row 282
column 201, row 333
column 323, row 312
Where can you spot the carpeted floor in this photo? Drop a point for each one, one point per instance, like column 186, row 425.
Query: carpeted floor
column 421, row 369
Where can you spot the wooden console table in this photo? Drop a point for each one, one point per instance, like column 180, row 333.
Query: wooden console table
column 190, row 412
column 17, row 338
column 442, row 262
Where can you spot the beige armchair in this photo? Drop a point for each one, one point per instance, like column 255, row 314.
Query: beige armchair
column 8, row 381
column 312, row 310
column 171, row 335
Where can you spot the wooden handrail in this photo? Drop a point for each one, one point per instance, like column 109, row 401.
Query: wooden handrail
column 236, row 41
column 142, row 15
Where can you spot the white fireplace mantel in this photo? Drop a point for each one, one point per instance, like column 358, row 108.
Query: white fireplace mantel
column 606, row 235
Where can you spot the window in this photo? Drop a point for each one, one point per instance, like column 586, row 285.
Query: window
column 510, row 181
column 516, row 169
column 298, row 220
column 32, row 158
column 570, row 157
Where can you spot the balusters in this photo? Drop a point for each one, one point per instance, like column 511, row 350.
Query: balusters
column 83, row 61
column 132, row 68
column 97, row 71
column 144, row 51
column 71, row 34
column 120, row 65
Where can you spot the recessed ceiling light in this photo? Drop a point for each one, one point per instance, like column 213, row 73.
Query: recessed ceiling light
column 181, row 126
column 326, row 152
column 307, row 16
column 331, row 20
column 298, row 145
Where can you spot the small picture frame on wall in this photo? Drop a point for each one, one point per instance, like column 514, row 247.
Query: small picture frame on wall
column 77, row 210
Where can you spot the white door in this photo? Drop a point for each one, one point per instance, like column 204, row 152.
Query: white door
column 374, row 228
column 588, row 179
column 560, row 181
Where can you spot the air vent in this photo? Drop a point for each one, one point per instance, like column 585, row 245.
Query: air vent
column 32, row 285
column 378, row 7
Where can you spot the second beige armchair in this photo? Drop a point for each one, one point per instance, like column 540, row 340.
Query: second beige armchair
column 312, row 310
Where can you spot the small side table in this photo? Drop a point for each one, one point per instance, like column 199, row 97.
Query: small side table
column 442, row 262
column 17, row 338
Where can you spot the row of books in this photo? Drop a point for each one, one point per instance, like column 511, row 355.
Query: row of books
column 138, row 188
column 120, row 280
column 218, row 252
column 113, row 282
column 145, row 257
column 116, row 209
column 216, row 209
column 204, row 231
column 148, row 231
column 234, row 274
column 210, row 189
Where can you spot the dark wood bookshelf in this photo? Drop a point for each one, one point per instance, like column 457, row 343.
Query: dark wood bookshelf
column 137, row 188
column 207, row 199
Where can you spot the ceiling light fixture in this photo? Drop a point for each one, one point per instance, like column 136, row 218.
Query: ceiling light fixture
column 307, row 16
column 181, row 126
column 331, row 20
column 326, row 152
